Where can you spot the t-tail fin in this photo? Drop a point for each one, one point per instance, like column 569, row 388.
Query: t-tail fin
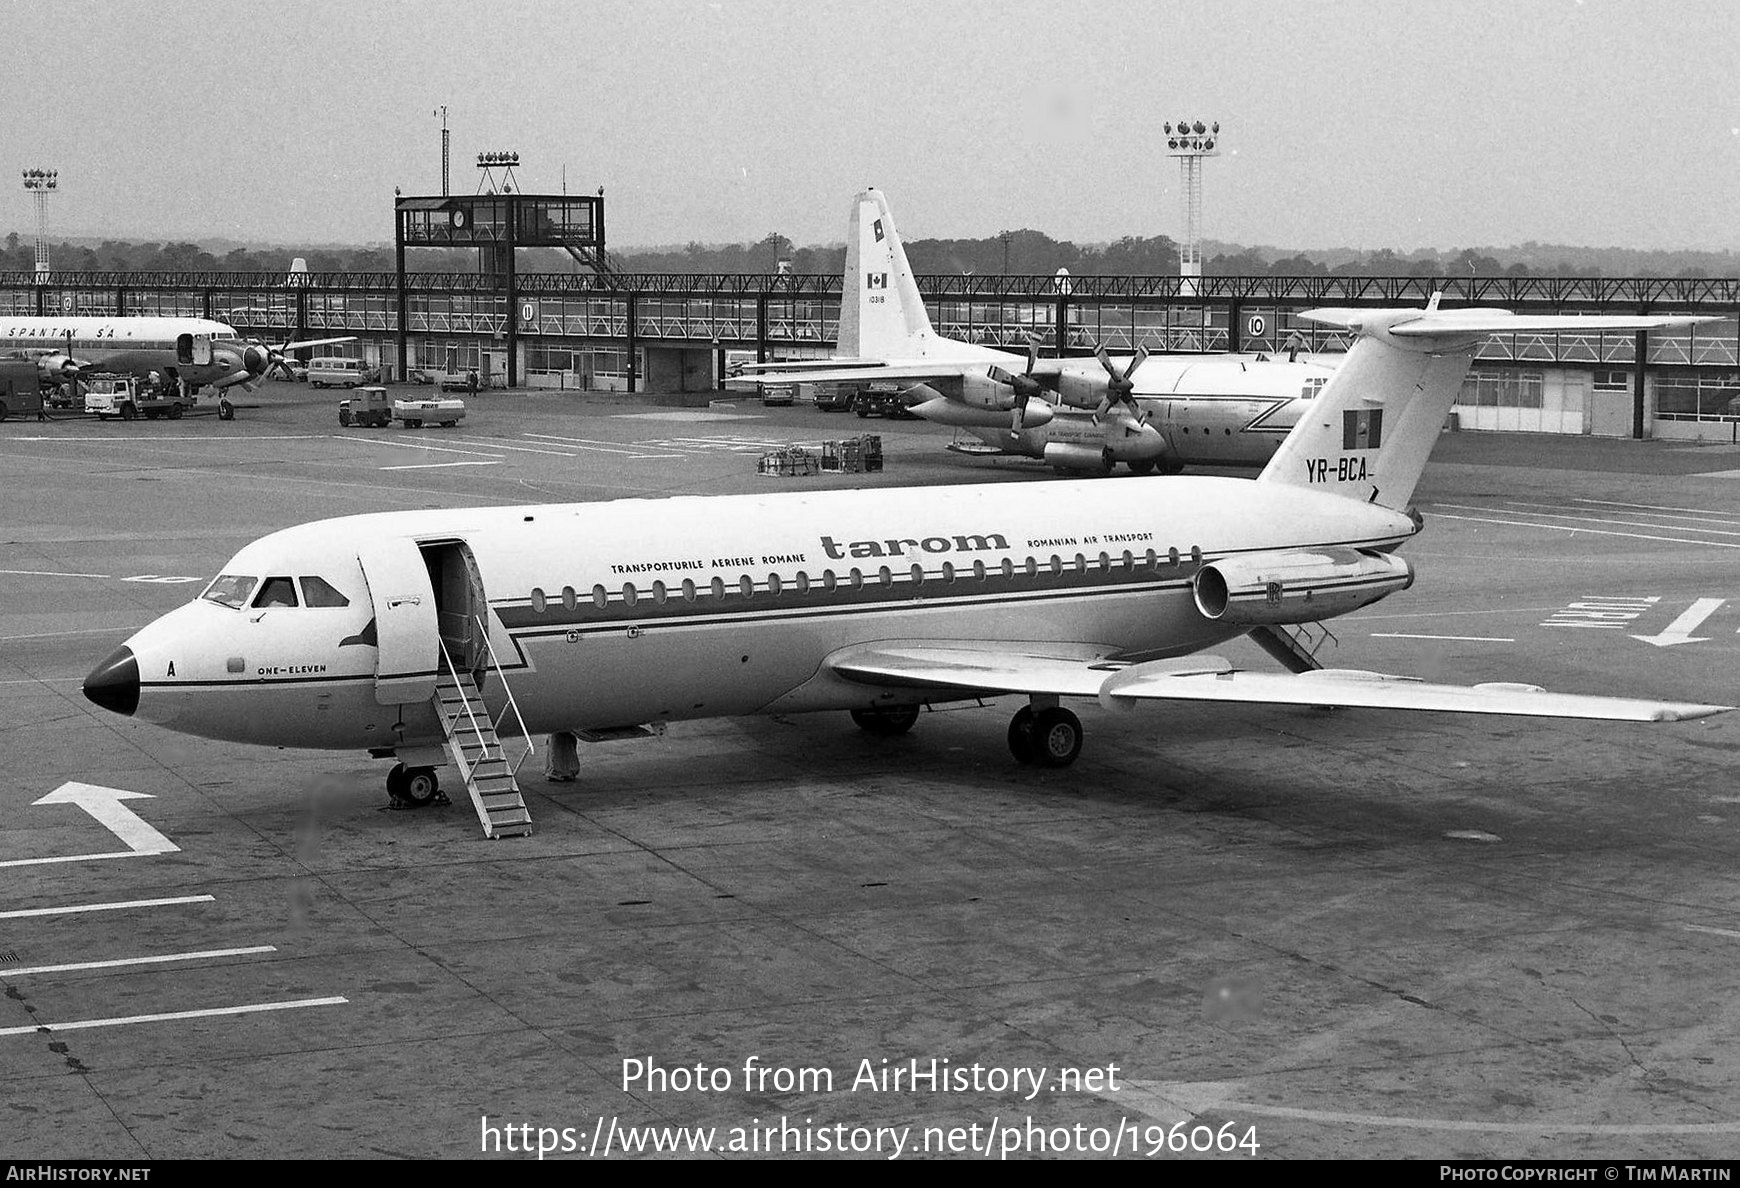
column 1369, row 432
column 881, row 314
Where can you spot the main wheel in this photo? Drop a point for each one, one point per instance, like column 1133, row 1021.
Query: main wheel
column 1021, row 735
column 1144, row 466
column 344, row 417
column 1056, row 737
column 396, row 782
column 886, row 723
column 421, row 784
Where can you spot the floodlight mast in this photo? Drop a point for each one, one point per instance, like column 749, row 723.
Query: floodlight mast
column 41, row 183
column 491, row 161
column 1190, row 141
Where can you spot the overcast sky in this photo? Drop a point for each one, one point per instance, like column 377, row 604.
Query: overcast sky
column 1365, row 124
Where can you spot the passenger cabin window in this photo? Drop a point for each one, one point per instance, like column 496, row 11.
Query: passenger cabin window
column 317, row 591
column 230, row 590
column 277, row 591
column 539, row 602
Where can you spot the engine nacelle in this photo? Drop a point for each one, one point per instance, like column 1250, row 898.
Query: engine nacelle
column 1067, row 455
column 1080, row 389
column 57, row 366
column 981, row 391
column 927, row 402
column 1296, row 586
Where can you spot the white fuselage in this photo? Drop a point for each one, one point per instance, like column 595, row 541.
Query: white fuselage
column 136, row 346
column 633, row 611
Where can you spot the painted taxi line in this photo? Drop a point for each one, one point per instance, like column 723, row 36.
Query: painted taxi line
column 145, row 841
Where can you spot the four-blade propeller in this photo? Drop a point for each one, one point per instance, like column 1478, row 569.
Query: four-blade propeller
column 1121, row 386
column 1025, row 388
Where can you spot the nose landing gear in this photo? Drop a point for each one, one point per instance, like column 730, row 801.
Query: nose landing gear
column 414, row 787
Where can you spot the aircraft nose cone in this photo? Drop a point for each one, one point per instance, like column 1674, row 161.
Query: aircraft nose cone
column 114, row 684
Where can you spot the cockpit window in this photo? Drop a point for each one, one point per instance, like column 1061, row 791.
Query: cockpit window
column 317, row 591
column 277, row 591
column 1313, row 386
column 230, row 590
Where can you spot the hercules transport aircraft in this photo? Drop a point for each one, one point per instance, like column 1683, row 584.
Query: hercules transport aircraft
column 196, row 352
column 412, row 634
column 1164, row 411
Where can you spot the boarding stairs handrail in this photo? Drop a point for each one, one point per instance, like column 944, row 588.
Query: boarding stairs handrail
column 512, row 703
column 477, row 731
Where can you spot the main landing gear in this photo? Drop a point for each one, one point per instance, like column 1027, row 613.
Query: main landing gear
column 413, row 787
column 1042, row 734
column 1045, row 736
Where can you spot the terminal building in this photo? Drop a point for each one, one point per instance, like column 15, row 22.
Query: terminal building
column 520, row 320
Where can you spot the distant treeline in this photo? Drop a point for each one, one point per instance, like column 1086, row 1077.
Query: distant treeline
column 1013, row 252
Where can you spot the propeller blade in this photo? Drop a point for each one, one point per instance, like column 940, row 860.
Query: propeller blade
column 1032, row 355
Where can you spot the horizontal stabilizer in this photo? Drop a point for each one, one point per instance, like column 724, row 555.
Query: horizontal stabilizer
column 1065, row 671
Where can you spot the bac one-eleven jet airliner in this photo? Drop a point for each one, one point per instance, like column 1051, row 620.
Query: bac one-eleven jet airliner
column 379, row 631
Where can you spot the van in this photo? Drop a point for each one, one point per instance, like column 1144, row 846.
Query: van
column 339, row 373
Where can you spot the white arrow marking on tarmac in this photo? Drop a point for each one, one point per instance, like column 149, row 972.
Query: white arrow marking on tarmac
column 105, row 805
column 1172, row 1102
column 1680, row 630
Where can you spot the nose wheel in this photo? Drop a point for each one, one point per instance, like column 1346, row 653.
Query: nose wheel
column 1048, row 737
column 413, row 787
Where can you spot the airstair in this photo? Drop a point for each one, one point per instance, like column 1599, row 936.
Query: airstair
column 477, row 750
column 1295, row 645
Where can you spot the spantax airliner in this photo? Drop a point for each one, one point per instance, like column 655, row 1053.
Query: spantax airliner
column 192, row 352
column 408, row 633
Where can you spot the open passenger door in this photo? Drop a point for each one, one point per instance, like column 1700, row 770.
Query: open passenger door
column 406, row 627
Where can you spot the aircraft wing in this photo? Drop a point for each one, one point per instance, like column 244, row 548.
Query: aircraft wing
column 1435, row 323
column 1053, row 670
column 749, row 369
column 819, row 372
